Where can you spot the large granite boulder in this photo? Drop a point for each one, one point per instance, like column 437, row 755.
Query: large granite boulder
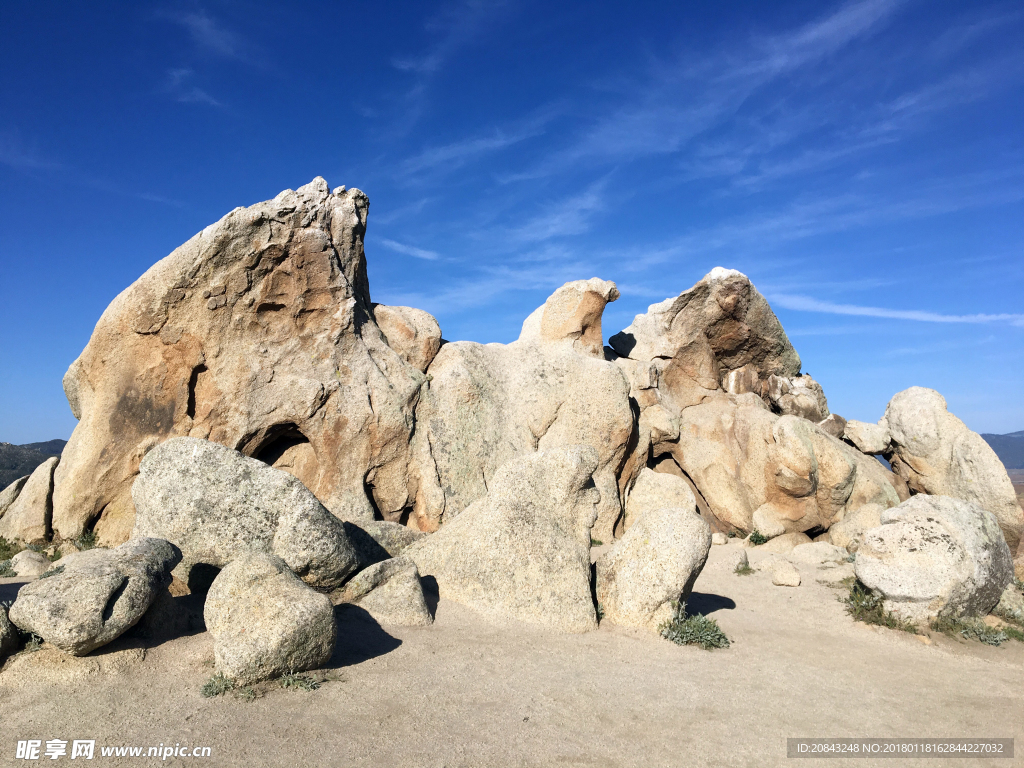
column 937, row 454
column 265, row 622
column 655, row 490
column 522, row 552
column 215, row 504
column 391, row 592
column 412, row 333
column 872, row 439
column 10, row 493
column 779, row 474
column 258, row 334
column 487, row 404
column 90, row 598
column 28, row 518
column 936, row 556
column 798, row 396
column 653, row 567
column 29, row 564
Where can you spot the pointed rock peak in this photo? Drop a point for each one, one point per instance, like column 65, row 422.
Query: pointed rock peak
column 573, row 314
column 721, row 273
column 315, row 191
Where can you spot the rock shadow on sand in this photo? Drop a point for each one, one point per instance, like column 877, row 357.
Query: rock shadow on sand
column 360, row 637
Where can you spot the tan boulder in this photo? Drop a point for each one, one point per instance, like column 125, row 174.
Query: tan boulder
column 9, row 494
column 28, row 518
column 487, row 404
column 937, row 454
column 798, row 396
column 258, row 334
column 412, row 333
column 866, row 437
column 522, row 551
column 656, row 490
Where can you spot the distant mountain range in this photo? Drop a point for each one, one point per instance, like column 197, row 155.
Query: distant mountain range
column 19, row 460
column 1009, row 448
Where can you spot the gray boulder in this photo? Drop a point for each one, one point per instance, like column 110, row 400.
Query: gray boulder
column 936, row 556
column 265, row 622
column 29, row 564
column 29, row 515
column 656, row 490
column 391, row 592
column 91, row 598
column 798, row 396
column 214, row 504
column 866, row 437
column 937, row 454
column 377, row 540
column 653, row 566
column 849, row 532
column 522, row 552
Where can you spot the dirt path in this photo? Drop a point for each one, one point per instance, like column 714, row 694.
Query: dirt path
column 465, row 693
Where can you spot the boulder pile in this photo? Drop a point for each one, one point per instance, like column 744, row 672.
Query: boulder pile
column 252, row 424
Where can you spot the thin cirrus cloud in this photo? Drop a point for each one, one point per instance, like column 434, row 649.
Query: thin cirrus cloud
column 410, row 250
column 807, row 304
column 179, row 85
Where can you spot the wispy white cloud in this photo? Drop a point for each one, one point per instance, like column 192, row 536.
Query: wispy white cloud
column 809, row 304
column 570, row 216
column 180, row 87
column 410, row 250
column 209, row 35
column 456, row 154
column 16, row 153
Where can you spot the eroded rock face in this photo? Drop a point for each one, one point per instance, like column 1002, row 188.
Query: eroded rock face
column 522, row 552
column 91, row 598
column 655, row 490
column 10, row 493
column 412, row 333
column 868, row 438
column 490, row 403
column 721, row 330
column 778, row 474
column 654, row 565
column 936, row 556
column 937, row 454
column 265, row 622
column 216, row 504
column 798, row 396
column 28, row 518
column 391, row 592
column 257, row 334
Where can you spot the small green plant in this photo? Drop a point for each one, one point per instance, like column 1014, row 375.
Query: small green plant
column 972, row 629
column 743, row 568
column 8, row 549
column 35, row 643
column 1014, row 634
column 864, row 605
column 757, row 538
column 52, row 572
column 600, row 612
column 595, row 542
column 693, row 630
column 216, row 685
column 301, row 682
column 248, row 693
column 6, row 569
column 86, row 541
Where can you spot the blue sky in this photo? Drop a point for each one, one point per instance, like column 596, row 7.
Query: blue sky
column 862, row 162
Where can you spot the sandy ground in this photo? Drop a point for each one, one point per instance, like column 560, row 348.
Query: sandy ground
column 466, row 693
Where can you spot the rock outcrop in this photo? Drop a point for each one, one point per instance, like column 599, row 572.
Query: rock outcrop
column 265, row 622
column 654, row 490
column 522, row 552
column 412, row 333
column 872, row 439
column 391, row 592
column 28, row 518
column 10, row 493
column 91, row 598
column 936, row 556
column 487, row 404
column 937, row 454
column 215, row 504
column 258, row 334
column 653, row 567
column 849, row 532
column 798, row 396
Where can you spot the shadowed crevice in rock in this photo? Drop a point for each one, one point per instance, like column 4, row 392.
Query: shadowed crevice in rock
column 200, row 577
column 108, row 610
column 360, row 637
column 431, row 594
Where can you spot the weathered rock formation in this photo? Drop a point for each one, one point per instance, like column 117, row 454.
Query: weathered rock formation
column 522, row 552
column 265, row 622
column 258, row 334
column 487, row 404
column 872, row 439
column 90, row 598
column 937, row 454
column 654, row 490
column 10, row 493
column 28, row 518
column 653, row 567
column 936, row 556
column 216, row 504
column 391, row 592
column 30, row 565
